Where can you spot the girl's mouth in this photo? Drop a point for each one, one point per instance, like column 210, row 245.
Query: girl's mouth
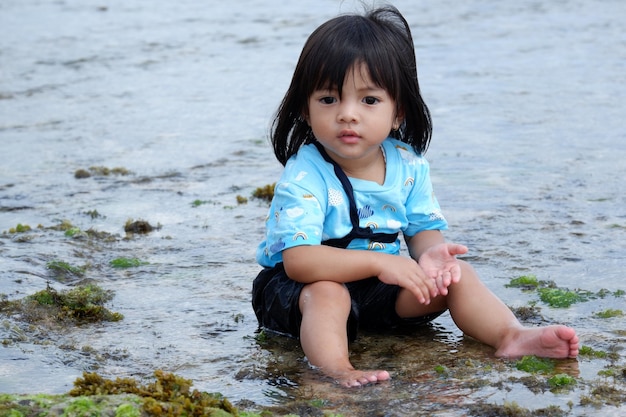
column 349, row 136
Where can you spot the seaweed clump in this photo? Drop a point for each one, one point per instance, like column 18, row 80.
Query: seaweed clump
column 527, row 282
column 20, row 228
column 609, row 313
column 560, row 298
column 604, row 394
column 169, row 395
column 557, row 297
column 127, row 262
column 83, row 304
column 62, row 270
column 513, row 409
column 138, row 226
column 100, row 171
column 534, row 364
column 264, row 193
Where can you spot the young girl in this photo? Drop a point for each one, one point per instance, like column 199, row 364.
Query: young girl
column 351, row 132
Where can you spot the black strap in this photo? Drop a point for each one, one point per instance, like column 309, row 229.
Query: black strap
column 357, row 231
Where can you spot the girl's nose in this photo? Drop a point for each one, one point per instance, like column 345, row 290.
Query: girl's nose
column 347, row 113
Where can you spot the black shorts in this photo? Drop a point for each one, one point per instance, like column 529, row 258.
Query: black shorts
column 275, row 299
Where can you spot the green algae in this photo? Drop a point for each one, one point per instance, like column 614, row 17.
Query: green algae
column 68, row 406
column 441, row 370
column 64, row 226
column 561, row 381
column 82, row 406
column 62, row 269
column 94, row 214
column 611, row 354
column 533, row 364
column 560, row 298
column 25, row 405
column 547, row 291
column 609, row 313
column 615, row 373
column 73, row 232
column 127, row 410
column 127, row 262
column 83, row 304
column 198, row 202
column 69, row 230
column 527, row 282
column 590, row 352
column 169, row 395
column 20, row 228
column 554, row 296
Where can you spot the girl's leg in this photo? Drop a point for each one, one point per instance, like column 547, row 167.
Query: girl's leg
column 325, row 308
column 483, row 316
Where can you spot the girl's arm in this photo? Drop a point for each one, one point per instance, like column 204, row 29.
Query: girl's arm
column 423, row 240
column 311, row 263
column 308, row 264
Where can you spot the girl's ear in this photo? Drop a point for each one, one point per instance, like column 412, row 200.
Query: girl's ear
column 398, row 120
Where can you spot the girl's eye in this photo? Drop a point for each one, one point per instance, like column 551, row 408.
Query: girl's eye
column 370, row 100
column 327, row 100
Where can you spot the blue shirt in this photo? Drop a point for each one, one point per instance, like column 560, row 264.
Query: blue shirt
column 310, row 205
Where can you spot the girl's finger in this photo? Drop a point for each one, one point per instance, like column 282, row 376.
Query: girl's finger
column 446, row 278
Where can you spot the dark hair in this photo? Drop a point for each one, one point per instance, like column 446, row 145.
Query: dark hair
column 381, row 39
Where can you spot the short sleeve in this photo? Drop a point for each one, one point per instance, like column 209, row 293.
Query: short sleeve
column 295, row 218
column 423, row 210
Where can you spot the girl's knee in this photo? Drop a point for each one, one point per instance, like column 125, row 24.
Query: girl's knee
column 467, row 271
column 325, row 292
column 469, row 278
column 327, row 289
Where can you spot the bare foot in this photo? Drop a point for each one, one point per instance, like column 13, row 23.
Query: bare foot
column 547, row 342
column 353, row 378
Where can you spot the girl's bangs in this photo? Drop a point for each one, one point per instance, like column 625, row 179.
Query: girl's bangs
column 332, row 76
column 333, row 66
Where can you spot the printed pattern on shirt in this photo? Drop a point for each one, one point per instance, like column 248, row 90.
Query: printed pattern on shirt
column 310, row 205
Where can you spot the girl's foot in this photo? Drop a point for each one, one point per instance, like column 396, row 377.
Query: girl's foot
column 547, row 342
column 354, row 378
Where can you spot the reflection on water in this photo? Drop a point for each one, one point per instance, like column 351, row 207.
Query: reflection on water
column 527, row 101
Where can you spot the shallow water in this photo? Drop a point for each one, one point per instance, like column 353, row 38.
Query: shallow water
column 527, row 101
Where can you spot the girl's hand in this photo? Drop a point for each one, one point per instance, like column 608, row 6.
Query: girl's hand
column 406, row 273
column 439, row 263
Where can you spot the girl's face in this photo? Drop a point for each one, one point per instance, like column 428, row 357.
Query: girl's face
column 352, row 127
